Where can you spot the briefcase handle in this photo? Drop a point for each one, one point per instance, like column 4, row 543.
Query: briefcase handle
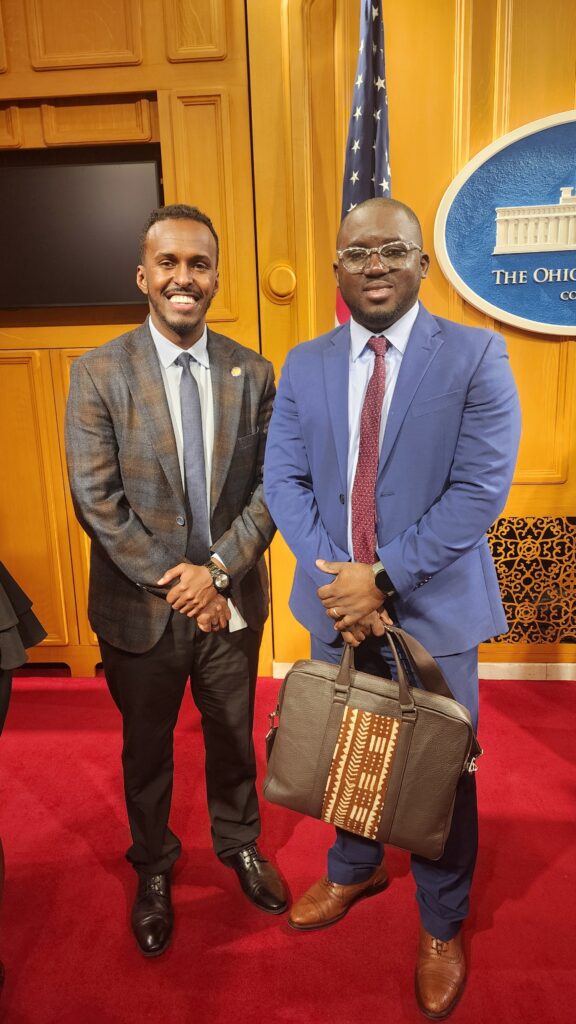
column 420, row 661
column 402, row 645
column 344, row 678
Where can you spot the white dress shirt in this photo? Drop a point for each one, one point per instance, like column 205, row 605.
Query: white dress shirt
column 361, row 369
column 168, row 353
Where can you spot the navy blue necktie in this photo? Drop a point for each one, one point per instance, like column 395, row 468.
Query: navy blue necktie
column 198, row 549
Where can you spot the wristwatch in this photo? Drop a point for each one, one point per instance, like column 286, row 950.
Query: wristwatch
column 220, row 577
column 382, row 580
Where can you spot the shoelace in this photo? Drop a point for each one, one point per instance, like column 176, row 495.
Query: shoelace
column 439, row 946
column 249, row 855
column 154, row 884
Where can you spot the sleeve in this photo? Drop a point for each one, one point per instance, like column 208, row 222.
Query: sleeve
column 289, row 487
column 480, row 478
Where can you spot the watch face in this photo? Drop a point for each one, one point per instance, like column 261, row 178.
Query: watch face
column 221, row 581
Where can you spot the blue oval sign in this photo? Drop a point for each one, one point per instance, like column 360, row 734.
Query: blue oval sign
column 505, row 231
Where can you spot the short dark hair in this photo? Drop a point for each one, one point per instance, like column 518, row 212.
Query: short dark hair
column 176, row 211
column 392, row 203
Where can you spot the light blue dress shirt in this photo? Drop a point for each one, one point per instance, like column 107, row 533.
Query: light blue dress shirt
column 361, row 369
column 168, row 353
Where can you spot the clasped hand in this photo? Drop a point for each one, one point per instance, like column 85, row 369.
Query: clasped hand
column 353, row 600
column 195, row 596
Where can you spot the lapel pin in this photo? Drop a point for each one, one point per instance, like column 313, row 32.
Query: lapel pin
column 235, row 371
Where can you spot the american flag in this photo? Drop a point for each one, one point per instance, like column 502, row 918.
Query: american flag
column 367, row 169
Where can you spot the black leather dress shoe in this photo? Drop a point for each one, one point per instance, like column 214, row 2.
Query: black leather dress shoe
column 152, row 915
column 259, row 880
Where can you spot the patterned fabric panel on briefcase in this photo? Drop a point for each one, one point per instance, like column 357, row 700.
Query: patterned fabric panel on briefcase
column 358, row 778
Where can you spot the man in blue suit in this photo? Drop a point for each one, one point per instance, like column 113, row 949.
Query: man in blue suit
column 390, row 453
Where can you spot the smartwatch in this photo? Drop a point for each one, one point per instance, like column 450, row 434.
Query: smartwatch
column 220, row 577
column 382, row 580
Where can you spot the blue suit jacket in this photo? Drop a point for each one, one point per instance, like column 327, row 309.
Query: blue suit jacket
column 445, row 469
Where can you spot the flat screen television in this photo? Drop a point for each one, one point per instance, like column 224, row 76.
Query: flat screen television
column 70, row 224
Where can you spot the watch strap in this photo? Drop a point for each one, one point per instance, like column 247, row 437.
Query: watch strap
column 216, row 571
column 382, row 580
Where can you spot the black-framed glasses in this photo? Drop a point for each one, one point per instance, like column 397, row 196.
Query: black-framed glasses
column 356, row 258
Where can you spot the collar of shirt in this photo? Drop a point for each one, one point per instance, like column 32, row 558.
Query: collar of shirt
column 397, row 334
column 168, row 352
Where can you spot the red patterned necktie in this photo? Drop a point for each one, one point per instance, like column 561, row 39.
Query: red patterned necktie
column 364, row 488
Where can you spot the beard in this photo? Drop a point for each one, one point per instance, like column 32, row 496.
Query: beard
column 180, row 325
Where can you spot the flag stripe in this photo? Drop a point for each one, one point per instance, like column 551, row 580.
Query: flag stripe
column 367, row 169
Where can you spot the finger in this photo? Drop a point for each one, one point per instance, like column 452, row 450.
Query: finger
column 345, row 622
column 385, row 618
column 349, row 638
column 171, row 574
column 332, row 613
column 332, row 567
column 224, row 616
column 184, row 604
column 377, row 626
column 326, row 593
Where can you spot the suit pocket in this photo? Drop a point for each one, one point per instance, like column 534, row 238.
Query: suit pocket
column 248, row 440
column 438, row 402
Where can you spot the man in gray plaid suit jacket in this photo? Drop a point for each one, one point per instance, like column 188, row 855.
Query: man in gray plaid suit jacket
column 161, row 614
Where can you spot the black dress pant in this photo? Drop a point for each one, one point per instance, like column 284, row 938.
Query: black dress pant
column 148, row 689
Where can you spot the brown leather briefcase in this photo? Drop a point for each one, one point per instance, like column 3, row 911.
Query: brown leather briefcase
column 374, row 756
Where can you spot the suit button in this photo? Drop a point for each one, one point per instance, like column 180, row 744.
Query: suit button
column 181, row 520
column 342, row 499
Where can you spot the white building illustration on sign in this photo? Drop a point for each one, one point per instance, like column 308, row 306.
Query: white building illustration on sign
column 537, row 228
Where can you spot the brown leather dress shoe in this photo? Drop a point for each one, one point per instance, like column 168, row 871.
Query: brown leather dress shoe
column 327, row 902
column 440, row 974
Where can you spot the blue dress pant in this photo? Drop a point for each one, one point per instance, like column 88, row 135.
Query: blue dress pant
column 442, row 886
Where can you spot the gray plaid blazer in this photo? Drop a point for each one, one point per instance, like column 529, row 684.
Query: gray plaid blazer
column 127, row 487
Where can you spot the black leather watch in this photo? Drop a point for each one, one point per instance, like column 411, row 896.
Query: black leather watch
column 382, row 580
column 220, row 577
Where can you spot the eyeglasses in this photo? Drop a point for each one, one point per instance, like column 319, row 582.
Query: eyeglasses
column 356, row 258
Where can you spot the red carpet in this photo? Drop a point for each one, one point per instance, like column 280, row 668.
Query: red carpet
column 70, row 957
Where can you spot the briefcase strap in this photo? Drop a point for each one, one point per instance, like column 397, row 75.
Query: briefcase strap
column 421, row 662
column 423, row 666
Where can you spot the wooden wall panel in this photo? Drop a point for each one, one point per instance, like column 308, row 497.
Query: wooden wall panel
column 65, row 34
column 204, row 178
column 61, row 363
column 206, row 162
column 195, row 31
column 544, row 454
column 3, row 64
column 96, row 119
column 33, row 522
column 543, row 49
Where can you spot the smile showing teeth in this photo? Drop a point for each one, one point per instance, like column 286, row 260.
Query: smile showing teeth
column 183, row 300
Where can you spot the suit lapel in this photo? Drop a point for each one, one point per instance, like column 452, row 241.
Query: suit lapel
column 336, row 375
column 422, row 347
column 144, row 377
column 228, row 372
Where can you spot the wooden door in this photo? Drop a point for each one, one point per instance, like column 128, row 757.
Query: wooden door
column 33, row 522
